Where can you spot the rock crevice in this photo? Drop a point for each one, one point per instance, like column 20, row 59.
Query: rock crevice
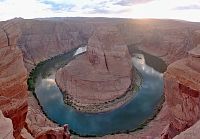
column 8, row 40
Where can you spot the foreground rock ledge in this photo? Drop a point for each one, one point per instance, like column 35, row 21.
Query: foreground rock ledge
column 94, row 81
column 182, row 91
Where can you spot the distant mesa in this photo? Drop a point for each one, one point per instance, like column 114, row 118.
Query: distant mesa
column 92, row 81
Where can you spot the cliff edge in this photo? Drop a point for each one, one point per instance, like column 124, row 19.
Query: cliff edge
column 13, row 76
column 182, row 92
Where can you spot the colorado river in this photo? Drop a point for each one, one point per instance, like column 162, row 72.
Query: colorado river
column 126, row 118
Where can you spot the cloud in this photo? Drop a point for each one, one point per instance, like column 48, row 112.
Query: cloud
column 59, row 6
column 99, row 7
column 100, row 10
column 106, row 7
column 131, row 2
column 189, row 7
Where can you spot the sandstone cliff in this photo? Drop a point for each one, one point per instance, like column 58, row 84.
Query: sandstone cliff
column 41, row 40
column 13, row 75
column 168, row 39
column 182, row 88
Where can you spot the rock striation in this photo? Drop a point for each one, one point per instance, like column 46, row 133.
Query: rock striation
column 13, row 76
column 101, row 75
column 41, row 40
column 182, row 91
column 167, row 39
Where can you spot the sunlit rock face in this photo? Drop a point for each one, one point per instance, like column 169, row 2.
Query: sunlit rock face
column 167, row 39
column 101, row 75
column 182, row 89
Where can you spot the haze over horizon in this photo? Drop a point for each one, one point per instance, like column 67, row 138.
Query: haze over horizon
column 159, row 9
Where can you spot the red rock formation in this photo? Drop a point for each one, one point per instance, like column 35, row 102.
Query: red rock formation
column 6, row 127
column 13, row 78
column 42, row 39
column 102, row 74
column 168, row 39
column 182, row 89
column 13, row 75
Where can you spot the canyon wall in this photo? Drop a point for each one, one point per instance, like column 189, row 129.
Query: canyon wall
column 41, row 40
column 167, row 39
column 182, row 89
column 13, row 76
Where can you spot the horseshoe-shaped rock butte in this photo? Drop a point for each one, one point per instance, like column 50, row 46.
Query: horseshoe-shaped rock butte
column 99, row 79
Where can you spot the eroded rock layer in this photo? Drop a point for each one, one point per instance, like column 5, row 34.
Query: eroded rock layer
column 101, row 75
column 182, row 89
column 13, row 75
column 41, row 40
column 13, row 78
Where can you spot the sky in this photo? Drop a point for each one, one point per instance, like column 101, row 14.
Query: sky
column 163, row 9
